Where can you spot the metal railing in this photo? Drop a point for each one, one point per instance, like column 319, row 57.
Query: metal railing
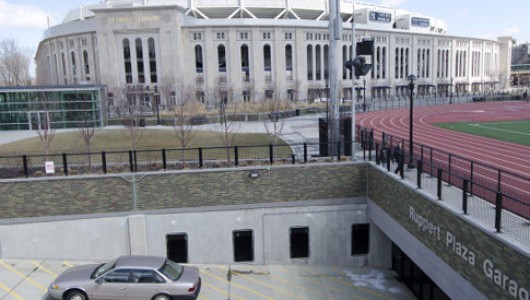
column 104, row 162
column 499, row 198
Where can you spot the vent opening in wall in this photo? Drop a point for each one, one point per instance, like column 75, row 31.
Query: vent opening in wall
column 299, row 241
column 177, row 247
column 243, row 245
column 360, row 239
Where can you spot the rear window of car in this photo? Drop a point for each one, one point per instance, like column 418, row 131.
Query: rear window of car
column 171, row 270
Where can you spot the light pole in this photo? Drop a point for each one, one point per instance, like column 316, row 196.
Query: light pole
column 451, row 92
column 411, row 144
column 364, row 93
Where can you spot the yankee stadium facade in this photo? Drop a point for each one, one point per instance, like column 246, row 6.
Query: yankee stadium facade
column 249, row 50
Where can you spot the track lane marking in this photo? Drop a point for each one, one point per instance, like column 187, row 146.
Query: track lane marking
column 29, row 279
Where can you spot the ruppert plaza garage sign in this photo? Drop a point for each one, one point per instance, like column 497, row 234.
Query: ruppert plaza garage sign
column 467, row 253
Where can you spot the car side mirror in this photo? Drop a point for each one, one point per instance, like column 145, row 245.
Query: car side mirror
column 99, row 280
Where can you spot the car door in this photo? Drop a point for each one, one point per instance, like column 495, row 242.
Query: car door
column 112, row 286
column 144, row 284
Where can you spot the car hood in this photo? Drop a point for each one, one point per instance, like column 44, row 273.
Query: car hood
column 76, row 274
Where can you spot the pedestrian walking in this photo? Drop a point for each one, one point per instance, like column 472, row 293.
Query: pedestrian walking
column 397, row 154
column 384, row 153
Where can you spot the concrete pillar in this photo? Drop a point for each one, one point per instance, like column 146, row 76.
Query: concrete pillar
column 137, row 235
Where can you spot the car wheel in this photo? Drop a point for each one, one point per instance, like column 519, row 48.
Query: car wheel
column 76, row 295
column 161, row 297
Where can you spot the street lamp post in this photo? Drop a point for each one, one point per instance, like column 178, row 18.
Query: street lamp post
column 411, row 143
column 364, row 94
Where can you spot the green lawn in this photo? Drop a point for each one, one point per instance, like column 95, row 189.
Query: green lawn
column 118, row 139
column 514, row 131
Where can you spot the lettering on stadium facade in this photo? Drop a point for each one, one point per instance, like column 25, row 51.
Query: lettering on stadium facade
column 466, row 252
column 135, row 19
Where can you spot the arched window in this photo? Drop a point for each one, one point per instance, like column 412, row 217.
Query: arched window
column 198, row 59
column 127, row 60
column 221, row 58
column 288, row 57
column 396, row 73
column 345, row 58
column 72, row 61
column 140, row 60
column 428, row 64
column 407, row 72
column 267, row 61
column 86, row 63
column 152, row 60
column 245, row 63
column 309, row 62
column 419, row 64
column 383, row 63
column 64, row 64
column 326, row 62
column 318, row 62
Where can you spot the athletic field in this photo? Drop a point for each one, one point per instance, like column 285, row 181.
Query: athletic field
column 513, row 131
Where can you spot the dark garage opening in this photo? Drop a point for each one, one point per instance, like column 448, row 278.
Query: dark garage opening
column 243, row 245
column 360, row 239
column 299, row 237
column 177, row 247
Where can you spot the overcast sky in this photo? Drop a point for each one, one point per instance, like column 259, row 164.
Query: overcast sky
column 26, row 20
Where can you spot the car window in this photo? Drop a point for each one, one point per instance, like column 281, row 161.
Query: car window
column 104, row 268
column 145, row 276
column 171, row 270
column 117, row 276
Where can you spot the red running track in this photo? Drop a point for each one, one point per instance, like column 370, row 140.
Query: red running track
column 509, row 157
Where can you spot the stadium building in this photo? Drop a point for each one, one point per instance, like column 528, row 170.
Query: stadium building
column 149, row 51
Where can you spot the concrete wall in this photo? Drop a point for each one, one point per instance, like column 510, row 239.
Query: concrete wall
column 464, row 259
column 84, row 195
column 209, row 234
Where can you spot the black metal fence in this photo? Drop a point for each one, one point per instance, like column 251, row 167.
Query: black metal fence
column 480, row 190
column 105, row 162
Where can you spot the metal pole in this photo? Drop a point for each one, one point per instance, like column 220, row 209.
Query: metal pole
column 353, row 50
column 411, row 143
column 335, row 37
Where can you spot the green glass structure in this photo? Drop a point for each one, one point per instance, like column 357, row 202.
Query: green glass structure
column 34, row 108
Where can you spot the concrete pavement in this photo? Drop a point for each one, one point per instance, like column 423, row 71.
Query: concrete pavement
column 29, row 280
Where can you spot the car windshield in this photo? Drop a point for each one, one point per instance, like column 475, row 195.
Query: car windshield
column 171, row 270
column 103, row 268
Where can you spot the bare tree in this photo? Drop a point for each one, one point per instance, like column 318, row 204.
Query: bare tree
column 133, row 118
column 276, row 108
column 185, row 109
column 43, row 122
column 228, row 126
column 86, row 131
column 14, row 64
column 166, row 87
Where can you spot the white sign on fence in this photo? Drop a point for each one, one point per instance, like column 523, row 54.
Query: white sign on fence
column 50, row 167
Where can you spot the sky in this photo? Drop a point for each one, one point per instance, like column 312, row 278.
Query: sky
column 26, row 20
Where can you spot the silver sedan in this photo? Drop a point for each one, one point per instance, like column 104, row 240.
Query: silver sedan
column 128, row 277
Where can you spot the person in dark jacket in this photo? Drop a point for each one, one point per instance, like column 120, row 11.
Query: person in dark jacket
column 397, row 154
column 384, row 154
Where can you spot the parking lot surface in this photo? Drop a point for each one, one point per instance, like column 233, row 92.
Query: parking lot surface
column 29, row 280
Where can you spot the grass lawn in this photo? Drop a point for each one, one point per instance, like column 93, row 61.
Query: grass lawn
column 514, row 131
column 119, row 140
